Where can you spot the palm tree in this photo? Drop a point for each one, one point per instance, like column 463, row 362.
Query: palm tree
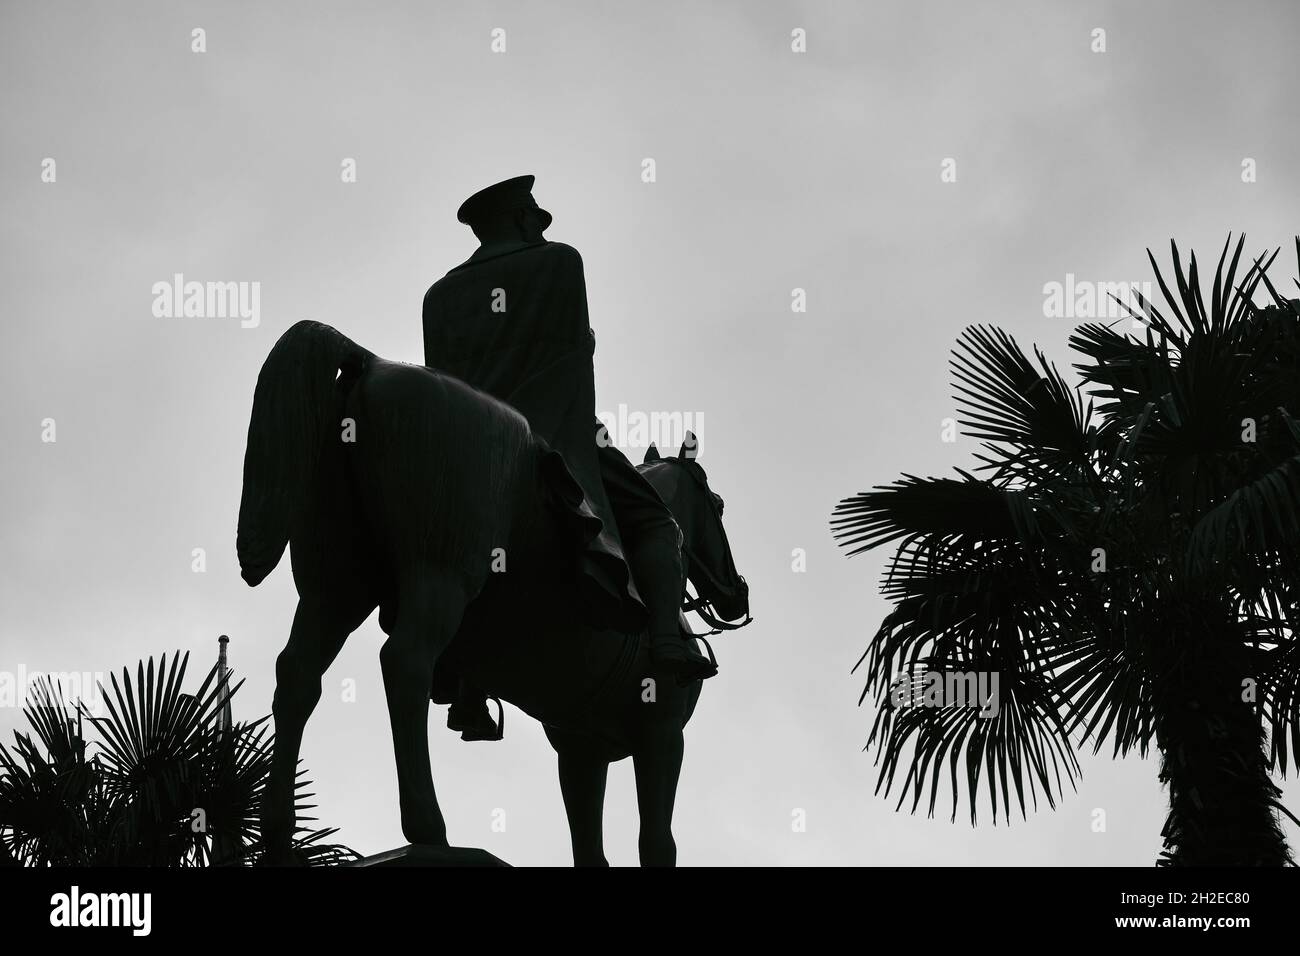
column 168, row 785
column 1127, row 562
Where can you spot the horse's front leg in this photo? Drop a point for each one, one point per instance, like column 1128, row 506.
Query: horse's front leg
column 658, row 763
column 430, row 605
column 583, row 774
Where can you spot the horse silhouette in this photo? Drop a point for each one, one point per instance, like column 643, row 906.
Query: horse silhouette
column 399, row 487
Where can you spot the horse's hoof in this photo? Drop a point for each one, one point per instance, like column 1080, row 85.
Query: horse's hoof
column 429, row 831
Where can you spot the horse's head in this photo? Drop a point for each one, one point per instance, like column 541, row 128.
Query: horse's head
column 684, row 487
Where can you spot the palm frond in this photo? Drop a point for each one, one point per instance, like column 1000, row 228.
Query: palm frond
column 167, row 787
column 943, row 507
column 1027, row 409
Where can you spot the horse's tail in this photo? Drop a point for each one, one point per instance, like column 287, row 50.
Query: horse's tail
column 294, row 410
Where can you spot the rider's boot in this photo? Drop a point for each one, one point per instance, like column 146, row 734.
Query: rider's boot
column 673, row 654
column 469, row 715
column 657, row 567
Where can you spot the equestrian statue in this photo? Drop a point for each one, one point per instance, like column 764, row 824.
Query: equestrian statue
column 512, row 551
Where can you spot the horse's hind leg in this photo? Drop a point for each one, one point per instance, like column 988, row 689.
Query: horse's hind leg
column 321, row 624
column 658, row 763
column 430, row 605
column 583, row 774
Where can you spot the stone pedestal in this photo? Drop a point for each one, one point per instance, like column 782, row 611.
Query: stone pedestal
column 416, row 854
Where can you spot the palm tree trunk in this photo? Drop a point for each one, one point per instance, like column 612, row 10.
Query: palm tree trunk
column 1221, row 798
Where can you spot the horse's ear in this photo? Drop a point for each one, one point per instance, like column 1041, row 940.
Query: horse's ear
column 651, row 453
column 690, row 447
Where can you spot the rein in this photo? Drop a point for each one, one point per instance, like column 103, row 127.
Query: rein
column 704, row 608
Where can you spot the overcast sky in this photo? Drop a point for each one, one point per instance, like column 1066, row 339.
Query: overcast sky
column 775, row 170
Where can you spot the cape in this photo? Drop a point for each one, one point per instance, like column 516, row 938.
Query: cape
column 513, row 323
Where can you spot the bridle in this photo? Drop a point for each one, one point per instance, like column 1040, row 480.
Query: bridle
column 700, row 604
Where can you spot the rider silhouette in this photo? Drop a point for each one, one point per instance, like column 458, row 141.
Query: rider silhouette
column 512, row 321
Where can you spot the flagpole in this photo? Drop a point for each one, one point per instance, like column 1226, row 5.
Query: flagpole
column 224, row 721
column 225, row 847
